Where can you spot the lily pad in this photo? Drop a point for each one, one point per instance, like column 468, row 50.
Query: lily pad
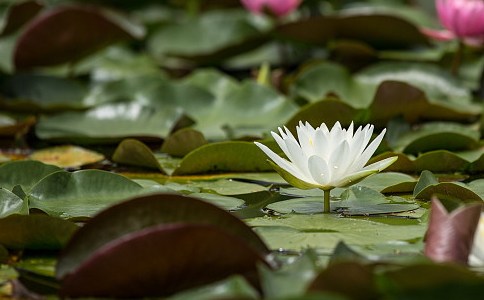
column 67, row 156
column 438, row 136
column 225, row 202
column 34, row 92
column 10, row 127
column 24, row 173
column 210, row 37
column 224, row 157
column 11, row 204
column 354, row 201
column 182, row 142
column 109, row 123
column 135, row 153
column 179, row 258
column 325, row 231
column 145, row 212
column 81, row 193
column 427, row 186
column 378, row 30
column 90, row 29
column 35, row 231
column 389, row 182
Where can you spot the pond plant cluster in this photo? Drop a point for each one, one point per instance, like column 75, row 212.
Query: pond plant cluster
column 137, row 159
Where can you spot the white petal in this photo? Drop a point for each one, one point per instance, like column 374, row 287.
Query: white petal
column 305, row 140
column 366, row 155
column 340, row 161
column 319, row 170
column 297, row 157
column 381, row 164
column 281, row 162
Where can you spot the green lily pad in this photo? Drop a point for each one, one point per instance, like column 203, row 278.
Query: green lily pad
column 24, row 173
column 427, row 186
column 91, row 29
column 34, row 92
column 226, row 187
column 67, row 156
column 182, row 142
column 209, row 37
column 224, row 157
column 334, row 111
column 438, row 136
column 228, row 115
column 135, row 153
column 109, row 123
column 354, row 201
column 225, row 202
column 389, row 182
column 11, row 204
column 81, row 193
column 325, row 231
column 440, row 161
column 35, row 231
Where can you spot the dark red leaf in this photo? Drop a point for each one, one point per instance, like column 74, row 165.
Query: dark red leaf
column 69, row 33
column 161, row 260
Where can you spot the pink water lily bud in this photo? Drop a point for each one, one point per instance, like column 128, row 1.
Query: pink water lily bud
column 276, row 7
column 463, row 18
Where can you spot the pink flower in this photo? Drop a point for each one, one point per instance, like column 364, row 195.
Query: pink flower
column 276, row 7
column 464, row 18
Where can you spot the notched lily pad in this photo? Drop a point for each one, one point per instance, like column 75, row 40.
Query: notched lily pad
column 35, row 231
column 10, row 203
column 427, row 186
column 81, row 193
column 356, row 200
column 67, row 156
column 24, row 173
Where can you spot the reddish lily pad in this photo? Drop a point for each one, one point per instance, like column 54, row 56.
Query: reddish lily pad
column 380, row 31
column 144, row 212
column 44, row 42
column 18, row 14
column 174, row 257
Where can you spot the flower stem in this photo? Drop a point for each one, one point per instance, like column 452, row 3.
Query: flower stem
column 457, row 61
column 327, row 208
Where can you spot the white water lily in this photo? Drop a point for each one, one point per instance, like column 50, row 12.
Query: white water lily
column 325, row 159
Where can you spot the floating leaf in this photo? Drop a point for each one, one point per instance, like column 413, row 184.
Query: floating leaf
column 109, row 123
column 11, row 204
column 224, row 157
column 324, row 231
column 209, row 37
column 225, row 202
column 439, row 136
column 377, row 30
column 24, row 173
column 10, row 127
column 35, row 231
column 146, row 212
column 135, row 153
column 357, row 200
column 17, row 14
column 66, row 156
column 182, row 142
column 180, row 256
column 90, row 29
column 428, row 186
column 34, row 92
column 81, row 193
column 389, row 182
